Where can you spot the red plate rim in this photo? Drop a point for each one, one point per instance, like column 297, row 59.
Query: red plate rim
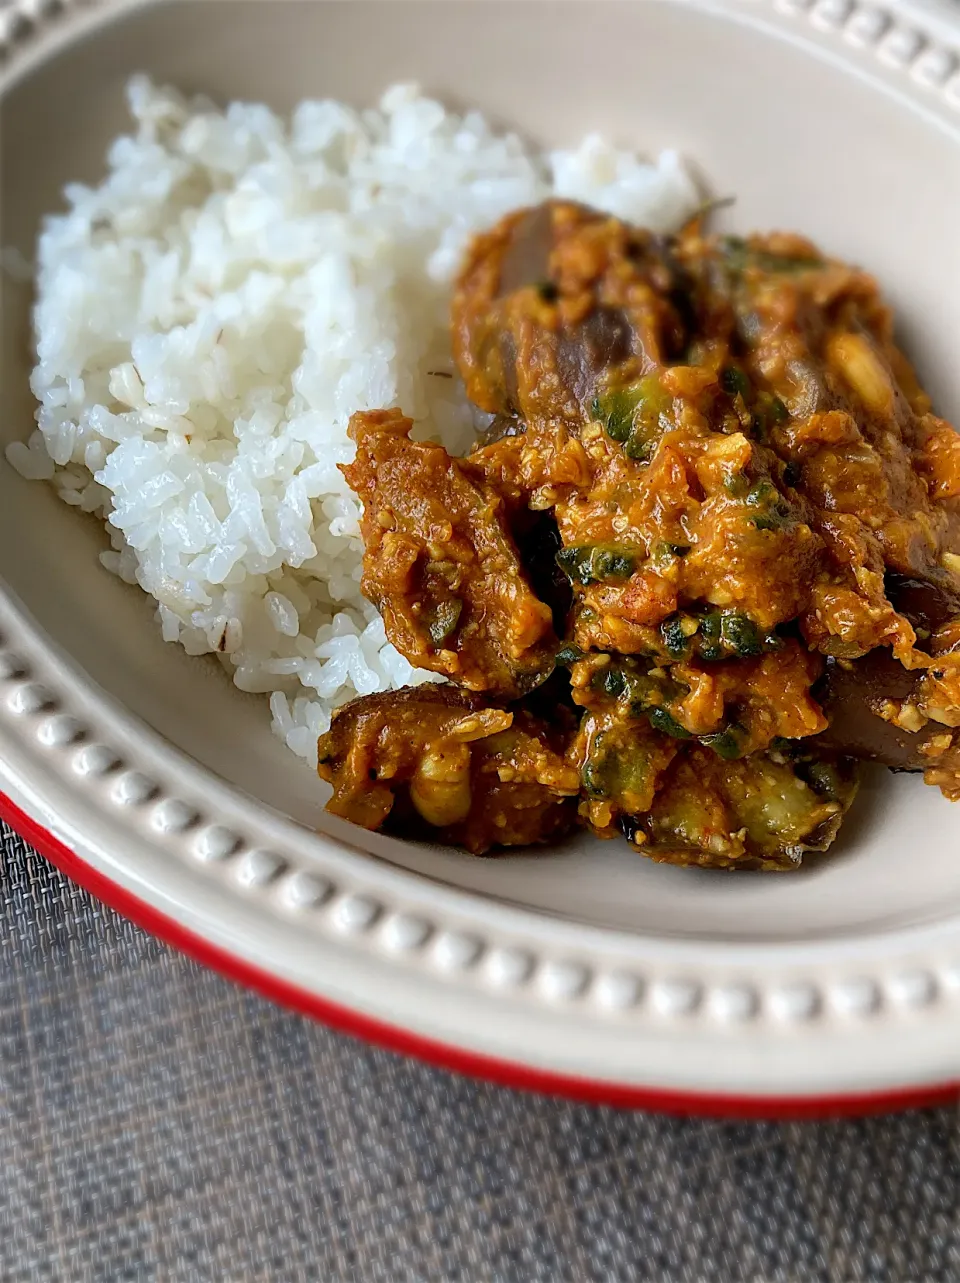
column 445, row 1055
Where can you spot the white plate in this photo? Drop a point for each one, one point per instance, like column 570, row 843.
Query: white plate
column 148, row 777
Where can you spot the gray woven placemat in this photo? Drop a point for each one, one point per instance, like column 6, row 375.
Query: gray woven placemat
column 158, row 1123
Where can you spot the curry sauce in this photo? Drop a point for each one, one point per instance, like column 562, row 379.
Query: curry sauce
column 714, row 499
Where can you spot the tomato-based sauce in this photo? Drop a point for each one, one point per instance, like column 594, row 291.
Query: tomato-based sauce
column 715, row 499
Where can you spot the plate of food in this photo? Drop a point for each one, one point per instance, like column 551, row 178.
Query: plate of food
column 480, row 556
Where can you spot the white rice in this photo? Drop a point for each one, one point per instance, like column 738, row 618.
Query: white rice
column 208, row 319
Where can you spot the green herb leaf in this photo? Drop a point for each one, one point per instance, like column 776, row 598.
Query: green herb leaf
column 674, row 639
column 739, row 633
column 614, row 682
column 568, row 654
column 710, row 626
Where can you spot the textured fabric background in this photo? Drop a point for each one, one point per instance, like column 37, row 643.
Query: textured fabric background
column 157, row 1123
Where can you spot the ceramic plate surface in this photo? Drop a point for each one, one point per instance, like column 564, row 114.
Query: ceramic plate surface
column 152, row 780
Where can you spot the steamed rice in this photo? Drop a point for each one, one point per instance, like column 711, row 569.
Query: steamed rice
column 208, row 319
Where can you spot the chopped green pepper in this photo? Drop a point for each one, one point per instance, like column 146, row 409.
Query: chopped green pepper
column 663, row 548
column 618, row 767
column 638, row 448
column 767, row 411
column 592, row 778
column 642, row 691
column 633, row 415
column 614, row 565
column 616, row 410
column 776, row 519
column 763, row 494
column 663, row 721
column 720, row 634
column 663, row 553
column 727, row 743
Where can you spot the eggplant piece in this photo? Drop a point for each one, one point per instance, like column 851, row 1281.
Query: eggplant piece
column 440, row 563
column 928, row 601
column 760, row 812
column 534, row 531
column 852, row 692
column 518, row 349
column 438, row 763
column 603, row 340
column 538, row 543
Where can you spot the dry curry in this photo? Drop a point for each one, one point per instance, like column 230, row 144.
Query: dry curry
column 703, row 560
